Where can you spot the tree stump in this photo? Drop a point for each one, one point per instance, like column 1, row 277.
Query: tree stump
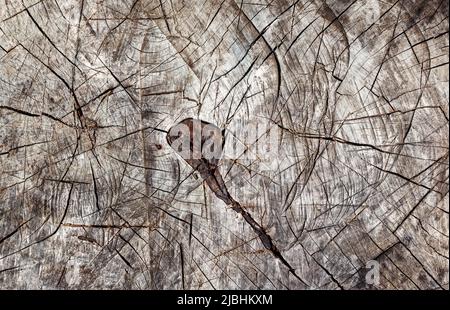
column 351, row 188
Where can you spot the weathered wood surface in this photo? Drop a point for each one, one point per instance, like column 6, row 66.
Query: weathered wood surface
column 92, row 196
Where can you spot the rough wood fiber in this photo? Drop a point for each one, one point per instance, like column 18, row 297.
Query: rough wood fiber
column 92, row 195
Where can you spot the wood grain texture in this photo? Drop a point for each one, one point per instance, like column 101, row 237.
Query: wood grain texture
column 92, row 196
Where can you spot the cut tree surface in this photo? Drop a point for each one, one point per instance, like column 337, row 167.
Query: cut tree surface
column 346, row 186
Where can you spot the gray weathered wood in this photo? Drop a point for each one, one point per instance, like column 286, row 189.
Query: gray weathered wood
column 92, row 195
